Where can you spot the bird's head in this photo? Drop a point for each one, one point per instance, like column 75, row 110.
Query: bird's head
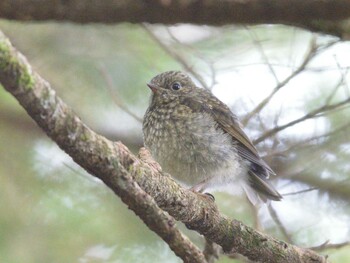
column 170, row 84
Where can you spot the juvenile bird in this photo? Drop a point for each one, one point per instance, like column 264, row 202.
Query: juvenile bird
column 199, row 141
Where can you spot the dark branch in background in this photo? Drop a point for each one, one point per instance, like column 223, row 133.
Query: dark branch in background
column 322, row 16
column 123, row 172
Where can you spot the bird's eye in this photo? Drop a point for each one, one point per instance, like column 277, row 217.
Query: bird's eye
column 176, row 86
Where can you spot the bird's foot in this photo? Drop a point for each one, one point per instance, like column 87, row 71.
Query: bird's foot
column 212, row 198
column 199, row 189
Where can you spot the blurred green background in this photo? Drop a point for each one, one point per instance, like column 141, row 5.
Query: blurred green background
column 53, row 211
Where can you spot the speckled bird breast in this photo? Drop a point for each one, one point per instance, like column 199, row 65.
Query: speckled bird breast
column 188, row 145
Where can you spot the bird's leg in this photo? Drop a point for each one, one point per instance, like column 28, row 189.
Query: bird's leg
column 200, row 187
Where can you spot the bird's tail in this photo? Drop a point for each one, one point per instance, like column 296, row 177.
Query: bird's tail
column 264, row 191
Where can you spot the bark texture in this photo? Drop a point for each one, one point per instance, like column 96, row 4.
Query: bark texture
column 138, row 181
column 331, row 17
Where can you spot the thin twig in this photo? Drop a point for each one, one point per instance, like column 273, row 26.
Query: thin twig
column 344, row 72
column 198, row 55
column 257, row 43
column 275, row 122
column 301, row 191
column 255, row 212
column 213, row 74
column 327, row 245
column 307, row 142
column 340, row 108
column 279, row 223
column 340, row 83
column 309, row 69
column 310, row 115
column 211, row 251
column 112, row 91
column 176, row 56
column 336, row 189
column 308, row 57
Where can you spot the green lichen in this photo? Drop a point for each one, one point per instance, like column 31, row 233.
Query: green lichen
column 137, row 172
column 84, row 137
column 4, row 55
column 11, row 64
column 26, row 79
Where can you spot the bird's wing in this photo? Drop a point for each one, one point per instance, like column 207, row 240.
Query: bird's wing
column 229, row 123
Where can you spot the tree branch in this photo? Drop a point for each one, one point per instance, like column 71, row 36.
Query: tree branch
column 279, row 223
column 312, row 114
column 308, row 57
column 327, row 245
column 337, row 189
column 309, row 142
column 329, row 17
column 94, row 153
column 119, row 169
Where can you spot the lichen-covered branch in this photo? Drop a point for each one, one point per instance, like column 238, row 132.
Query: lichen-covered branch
column 93, row 152
column 330, row 17
column 135, row 179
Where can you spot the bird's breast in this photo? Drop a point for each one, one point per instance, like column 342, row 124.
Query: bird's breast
column 190, row 146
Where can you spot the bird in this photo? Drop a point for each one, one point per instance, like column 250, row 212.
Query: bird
column 200, row 142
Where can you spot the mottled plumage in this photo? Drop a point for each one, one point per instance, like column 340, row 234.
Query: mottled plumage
column 198, row 140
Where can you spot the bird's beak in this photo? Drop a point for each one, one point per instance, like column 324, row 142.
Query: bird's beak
column 153, row 87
